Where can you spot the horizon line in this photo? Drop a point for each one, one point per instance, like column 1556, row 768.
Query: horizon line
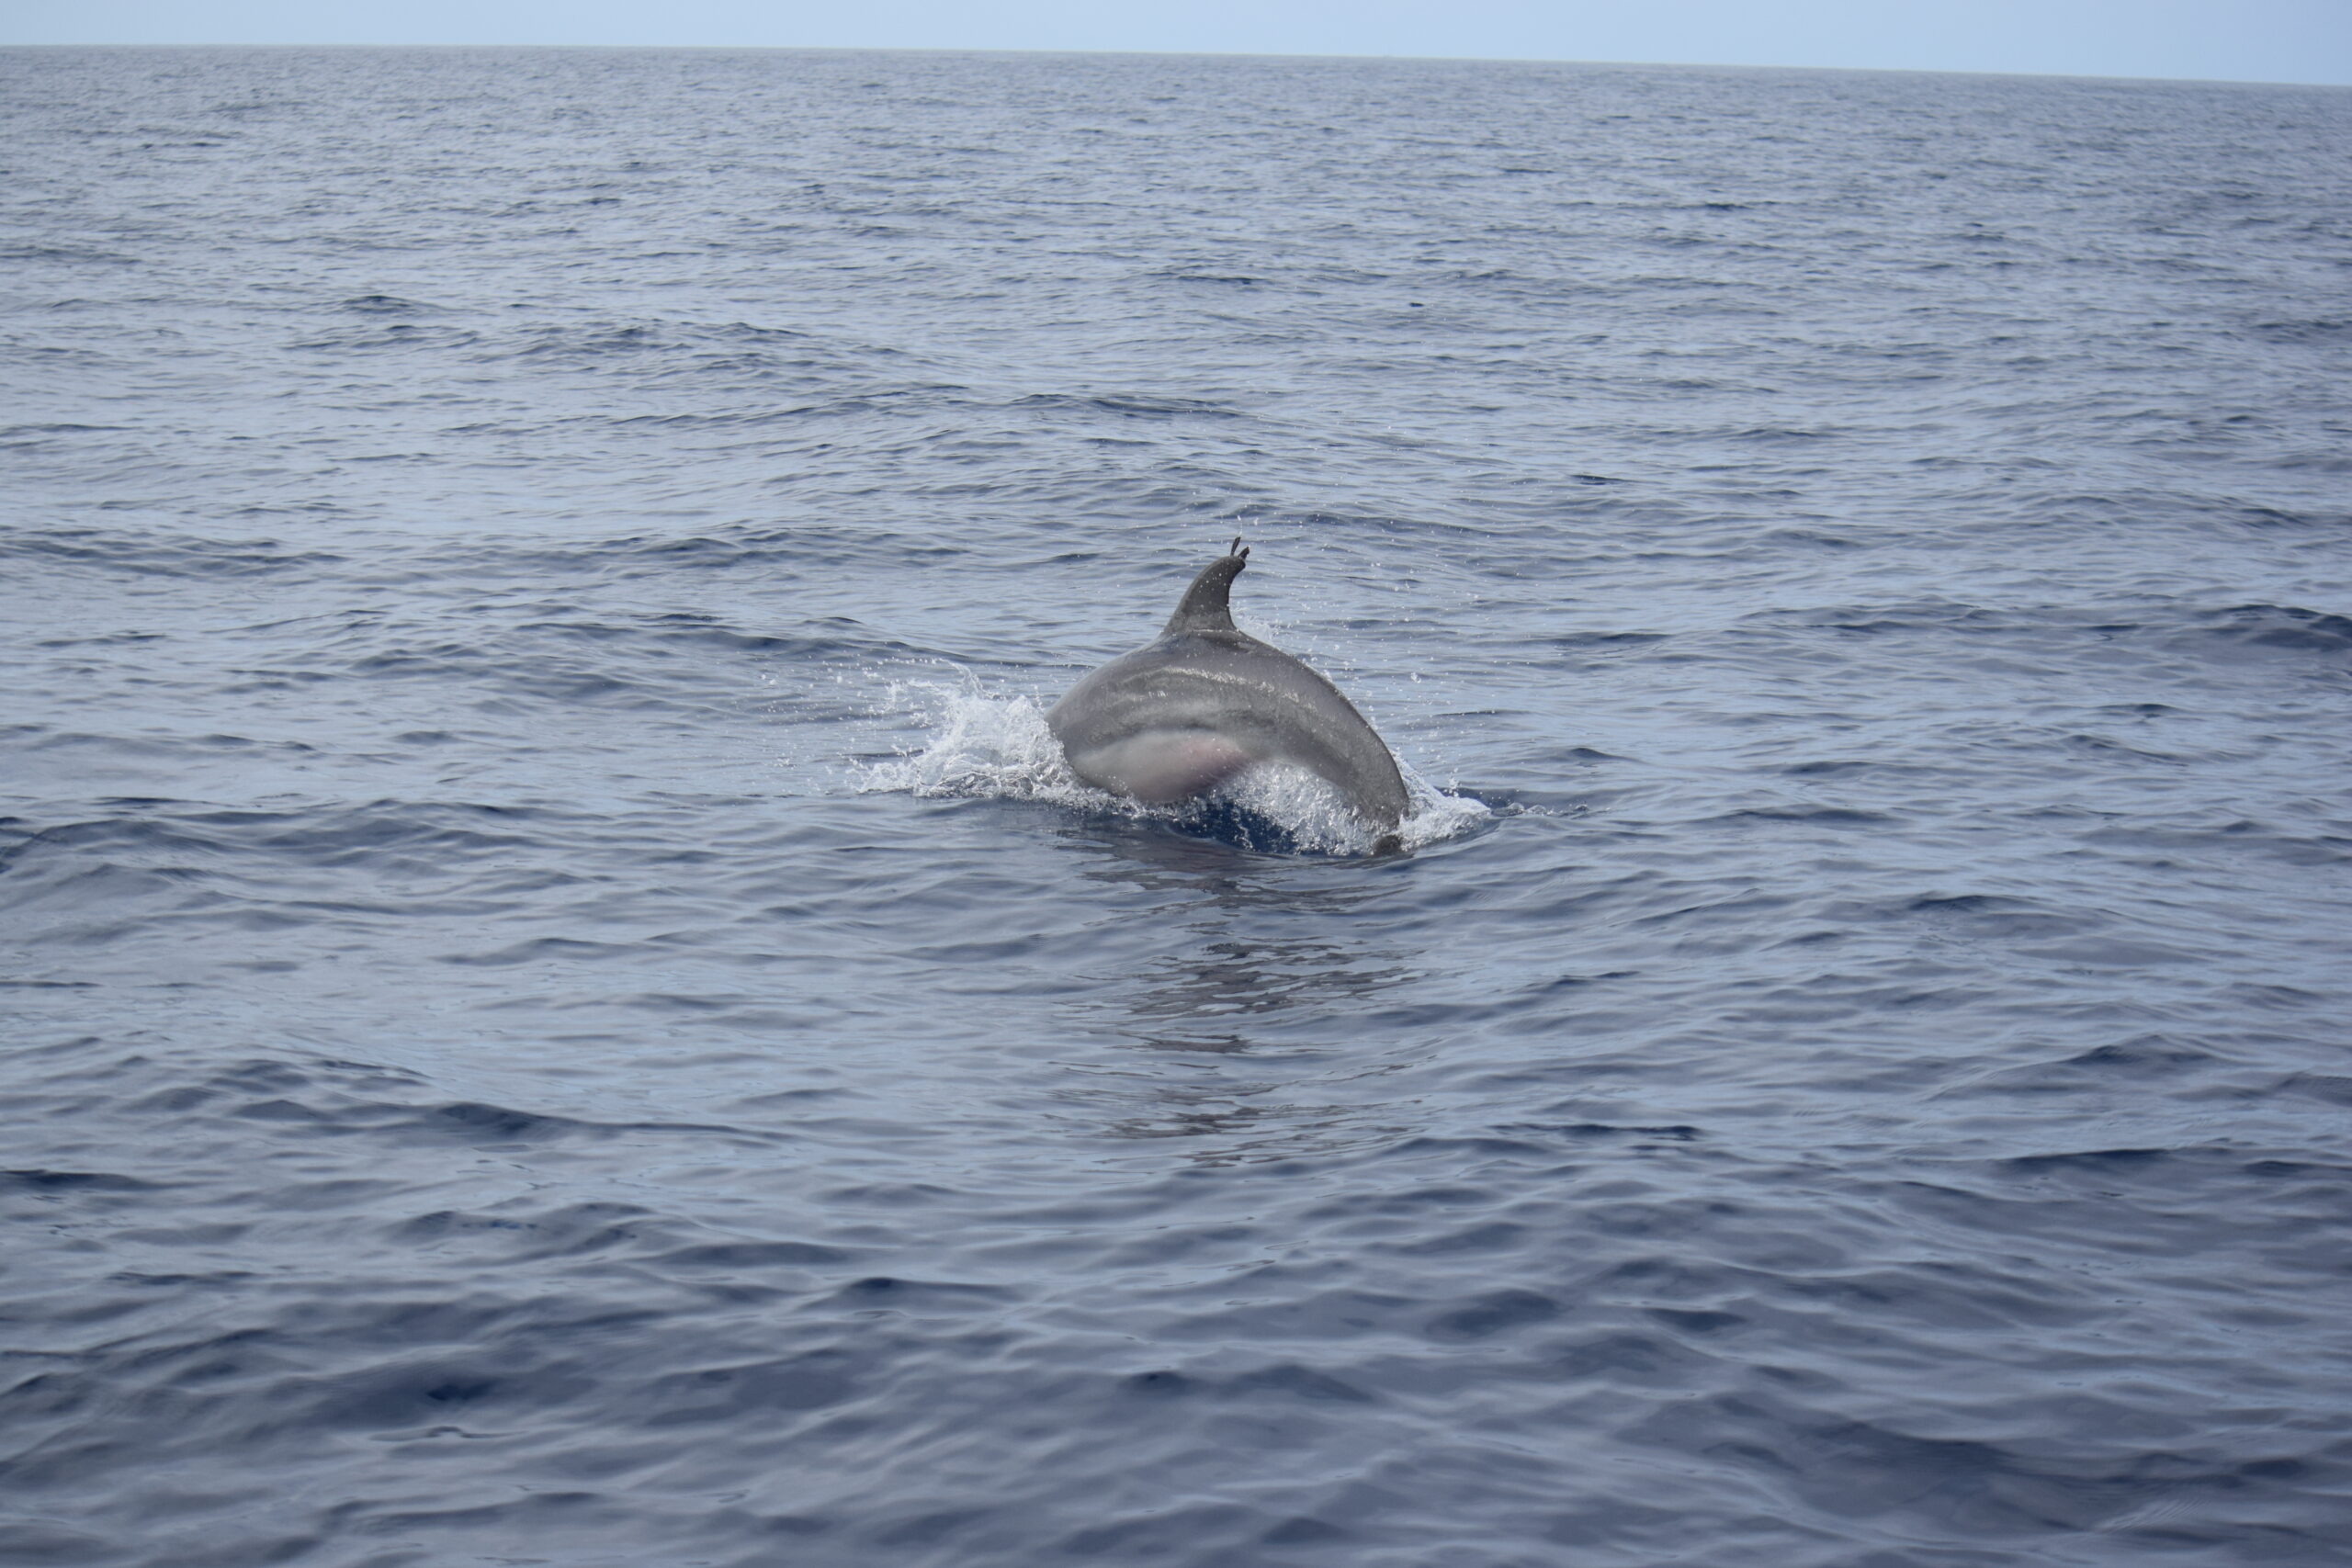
column 1194, row 54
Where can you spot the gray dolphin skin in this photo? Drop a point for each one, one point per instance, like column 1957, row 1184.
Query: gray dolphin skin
column 1178, row 716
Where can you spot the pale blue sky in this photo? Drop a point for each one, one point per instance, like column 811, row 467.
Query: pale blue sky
column 2263, row 40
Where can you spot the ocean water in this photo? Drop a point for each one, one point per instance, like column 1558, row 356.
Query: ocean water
column 562, row 1009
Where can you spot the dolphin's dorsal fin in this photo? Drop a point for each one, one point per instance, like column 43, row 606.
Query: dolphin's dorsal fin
column 1204, row 607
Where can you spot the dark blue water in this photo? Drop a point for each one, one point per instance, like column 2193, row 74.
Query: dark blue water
column 558, row 1009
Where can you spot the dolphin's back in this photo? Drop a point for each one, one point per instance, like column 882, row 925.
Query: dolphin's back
column 1188, row 711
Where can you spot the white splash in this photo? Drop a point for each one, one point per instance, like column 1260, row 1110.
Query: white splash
column 1436, row 815
column 997, row 747
column 978, row 745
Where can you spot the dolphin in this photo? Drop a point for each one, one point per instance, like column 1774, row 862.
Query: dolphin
column 1182, row 714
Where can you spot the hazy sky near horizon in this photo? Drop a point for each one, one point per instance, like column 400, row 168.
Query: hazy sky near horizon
column 2256, row 40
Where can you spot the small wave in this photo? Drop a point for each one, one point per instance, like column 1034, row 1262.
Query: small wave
column 149, row 552
column 2277, row 626
column 398, row 334
column 2327, row 329
column 1131, row 405
column 64, row 254
column 987, row 747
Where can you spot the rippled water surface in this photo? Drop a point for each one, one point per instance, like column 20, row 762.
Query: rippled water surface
column 560, row 1009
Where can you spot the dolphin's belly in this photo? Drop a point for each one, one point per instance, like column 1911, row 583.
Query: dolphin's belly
column 1160, row 765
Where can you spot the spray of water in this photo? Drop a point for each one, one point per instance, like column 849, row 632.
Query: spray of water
column 979, row 745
